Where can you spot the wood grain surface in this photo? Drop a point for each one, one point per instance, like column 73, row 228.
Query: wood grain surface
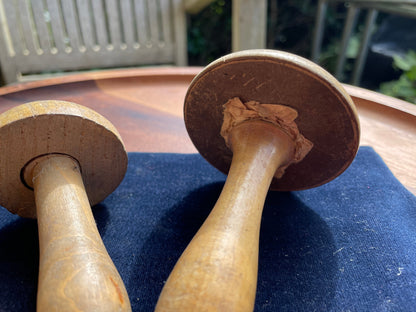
column 75, row 271
column 146, row 106
column 47, row 159
column 218, row 269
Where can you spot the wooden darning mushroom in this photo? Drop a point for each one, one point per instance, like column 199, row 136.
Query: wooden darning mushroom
column 50, row 150
column 270, row 120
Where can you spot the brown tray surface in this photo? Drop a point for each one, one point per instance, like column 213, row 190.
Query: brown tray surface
column 146, row 106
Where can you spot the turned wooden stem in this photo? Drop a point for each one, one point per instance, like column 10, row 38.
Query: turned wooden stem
column 76, row 272
column 218, row 269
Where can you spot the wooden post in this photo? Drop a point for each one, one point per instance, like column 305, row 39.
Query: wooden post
column 249, row 20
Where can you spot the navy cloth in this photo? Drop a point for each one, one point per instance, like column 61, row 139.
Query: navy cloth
column 349, row 245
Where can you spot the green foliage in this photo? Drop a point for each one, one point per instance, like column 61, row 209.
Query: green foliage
column 405, row 87
column 329, row 55
column 289, row 28
column 209, row 33
column 290, row 25
column 405, row 63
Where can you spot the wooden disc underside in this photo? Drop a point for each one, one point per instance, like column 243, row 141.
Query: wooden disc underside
column 326, row 113
column 47, row 127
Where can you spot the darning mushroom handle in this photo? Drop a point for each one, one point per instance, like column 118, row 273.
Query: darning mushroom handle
column 218, row 269
column 75, row 270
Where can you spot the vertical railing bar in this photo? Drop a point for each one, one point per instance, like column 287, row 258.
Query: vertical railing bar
column 120, row 23
column 142, row 25
column 84, row 19
column 71, row 25
column 64, row 28
column 319, row 29
column 359, row 63
column 42, row 26
column 47, row 19
column 25, row 27
column 57, row 28
column 134, row 24
column 129, row 26
column 99, row 17
column 113, row 24
column 6, row 22
column 33, row 27
column 153, row 22
column 349, row 26
column 166, row 21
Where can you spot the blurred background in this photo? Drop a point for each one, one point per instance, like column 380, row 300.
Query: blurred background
column 366, row 43
column 389, row 66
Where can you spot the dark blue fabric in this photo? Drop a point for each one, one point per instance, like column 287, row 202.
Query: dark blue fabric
column 349, row 245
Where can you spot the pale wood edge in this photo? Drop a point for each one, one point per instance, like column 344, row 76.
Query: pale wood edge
column 363, row 97
column 353, row 91
column 381, row 99
column 101, row 74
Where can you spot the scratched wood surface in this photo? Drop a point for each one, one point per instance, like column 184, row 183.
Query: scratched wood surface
column 146, row 106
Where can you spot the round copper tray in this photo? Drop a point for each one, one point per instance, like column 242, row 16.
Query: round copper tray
column 146, row 106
